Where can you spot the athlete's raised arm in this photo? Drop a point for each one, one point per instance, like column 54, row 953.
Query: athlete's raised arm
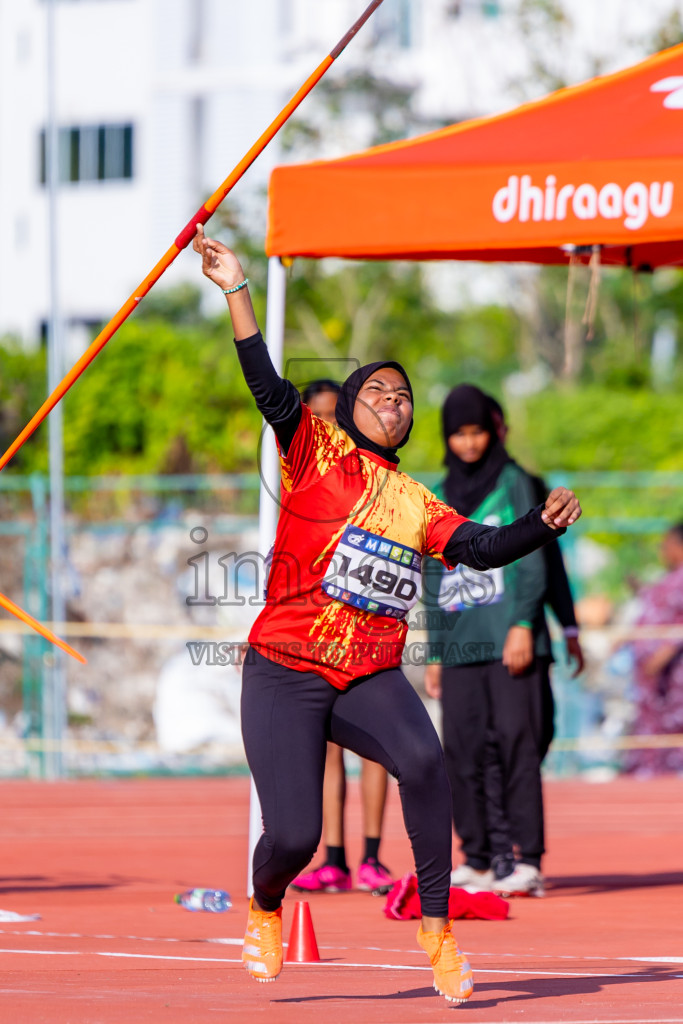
column 276, row 399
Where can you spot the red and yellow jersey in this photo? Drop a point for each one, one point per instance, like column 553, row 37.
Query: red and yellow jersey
column 347, row 557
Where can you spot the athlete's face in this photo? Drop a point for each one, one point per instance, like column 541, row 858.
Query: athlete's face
column 324, row 405
column 383, row 408
column 469, row 442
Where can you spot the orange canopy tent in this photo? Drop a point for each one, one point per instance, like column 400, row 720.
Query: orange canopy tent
column 600, row 163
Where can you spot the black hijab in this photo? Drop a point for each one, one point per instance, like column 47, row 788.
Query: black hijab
column 468, row 483
column 347, row 400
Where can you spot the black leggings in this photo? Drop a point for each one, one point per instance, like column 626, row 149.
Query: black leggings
column 493, row 731
column 287, row 719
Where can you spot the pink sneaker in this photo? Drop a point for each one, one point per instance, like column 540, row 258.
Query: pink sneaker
column 326, row 878
column 373, row 877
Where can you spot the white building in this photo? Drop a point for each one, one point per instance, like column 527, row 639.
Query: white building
column 157, row 100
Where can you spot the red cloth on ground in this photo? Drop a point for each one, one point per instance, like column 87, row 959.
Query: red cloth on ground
column 403, row 903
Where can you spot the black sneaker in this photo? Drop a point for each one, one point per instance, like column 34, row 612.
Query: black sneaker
column 502, row 865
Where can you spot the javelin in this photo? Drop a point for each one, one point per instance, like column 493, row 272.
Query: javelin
column 185, row 237
column 10, row 606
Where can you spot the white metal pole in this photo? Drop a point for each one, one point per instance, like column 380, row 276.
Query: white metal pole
column 270, row 484
column 54, row 700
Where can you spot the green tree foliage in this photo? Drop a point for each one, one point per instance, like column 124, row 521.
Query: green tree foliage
column 615, row 349
column 383, row 108
column 599, row 428
column 160, row 399
column 670, row 31
column 166, row 395
column 22, row 392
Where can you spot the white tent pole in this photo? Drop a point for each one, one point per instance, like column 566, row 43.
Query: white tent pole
column 54, row 687
column 270, row 483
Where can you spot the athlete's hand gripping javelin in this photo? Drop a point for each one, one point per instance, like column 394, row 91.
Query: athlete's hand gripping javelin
column 219, row 263
column 222, row 267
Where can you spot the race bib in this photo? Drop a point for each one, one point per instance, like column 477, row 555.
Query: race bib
column 374, row 573
column 463, row 588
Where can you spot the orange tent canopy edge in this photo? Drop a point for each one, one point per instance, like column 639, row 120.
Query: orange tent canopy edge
column 600, row 163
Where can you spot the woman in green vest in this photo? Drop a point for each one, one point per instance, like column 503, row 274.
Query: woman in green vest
column 488, row 637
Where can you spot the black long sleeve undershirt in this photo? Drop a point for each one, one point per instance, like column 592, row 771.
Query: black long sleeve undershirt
column 276, row 399
column 487, row 547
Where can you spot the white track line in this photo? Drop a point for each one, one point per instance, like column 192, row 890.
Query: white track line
column 322, row 963
column 370, row 949
column 654, row 959
column 404, row 952
column 110, row 953
column 380, row 949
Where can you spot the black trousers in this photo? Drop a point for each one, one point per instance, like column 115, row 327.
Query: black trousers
column 548, row 708
column 287, row 719
column 493, row 728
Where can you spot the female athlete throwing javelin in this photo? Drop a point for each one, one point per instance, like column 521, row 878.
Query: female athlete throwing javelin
column 325, row 657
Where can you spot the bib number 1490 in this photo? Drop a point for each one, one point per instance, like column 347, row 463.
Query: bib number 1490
column 380, row 580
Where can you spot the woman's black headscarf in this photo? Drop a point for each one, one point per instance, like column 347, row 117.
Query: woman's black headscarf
column 468, row 483
column 347, row 400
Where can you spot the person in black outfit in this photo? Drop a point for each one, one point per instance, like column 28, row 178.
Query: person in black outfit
column 488, row 642
column 325, row 652
column 558, row 597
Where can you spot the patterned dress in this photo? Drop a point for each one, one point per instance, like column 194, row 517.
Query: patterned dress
column 659, row 698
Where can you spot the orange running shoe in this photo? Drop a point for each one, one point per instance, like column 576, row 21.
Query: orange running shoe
column 452, row 972
column 262, row 950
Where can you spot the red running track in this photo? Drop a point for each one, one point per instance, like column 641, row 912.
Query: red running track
column 101, row 860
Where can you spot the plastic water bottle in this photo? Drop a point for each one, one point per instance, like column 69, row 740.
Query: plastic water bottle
column 214, row 900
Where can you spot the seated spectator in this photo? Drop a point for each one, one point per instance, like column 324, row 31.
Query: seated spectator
column 659, row 665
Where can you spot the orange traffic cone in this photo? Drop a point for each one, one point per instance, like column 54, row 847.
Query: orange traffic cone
column 302, row 948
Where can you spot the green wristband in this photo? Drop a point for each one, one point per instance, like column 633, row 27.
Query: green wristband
column 242, row 284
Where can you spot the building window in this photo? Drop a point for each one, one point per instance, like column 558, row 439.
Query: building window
column 395, row 25
column 489, row 8
column 91, row 153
